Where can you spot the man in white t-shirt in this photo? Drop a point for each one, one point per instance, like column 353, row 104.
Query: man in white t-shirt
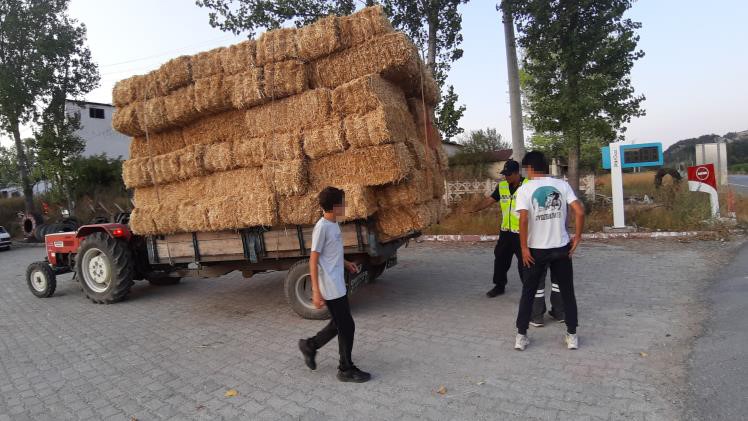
column 542, row 204
column 327, row 267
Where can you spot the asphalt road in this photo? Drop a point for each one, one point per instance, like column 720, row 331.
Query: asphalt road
column 719, row 363
column 739, row 183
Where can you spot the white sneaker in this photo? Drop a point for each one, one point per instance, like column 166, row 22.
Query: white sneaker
column 521, row 342
column 571, row 341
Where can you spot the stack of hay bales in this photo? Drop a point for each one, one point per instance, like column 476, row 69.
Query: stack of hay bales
column 248, row 135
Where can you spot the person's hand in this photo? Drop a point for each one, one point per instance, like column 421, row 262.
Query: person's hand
column 527, row 258
column 574, row 243
column 317, row 300
column 351, row 267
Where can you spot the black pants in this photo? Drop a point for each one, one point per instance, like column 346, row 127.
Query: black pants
column 506, row 247
column 341, row 324
column 557, row 303
column 559, row 262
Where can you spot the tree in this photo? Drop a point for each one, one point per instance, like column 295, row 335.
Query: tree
column 578, row 57
column 482, row 141
column 515, row 100
column 96, row 175
column 434, row 25
column 40, row 48
column 8, row 166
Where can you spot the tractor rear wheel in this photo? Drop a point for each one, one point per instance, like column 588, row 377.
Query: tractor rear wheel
column 105, row 268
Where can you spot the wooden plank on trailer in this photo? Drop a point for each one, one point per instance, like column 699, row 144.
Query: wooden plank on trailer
column 221, row 246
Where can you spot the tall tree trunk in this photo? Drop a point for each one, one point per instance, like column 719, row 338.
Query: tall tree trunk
column 431, row 47
column 515, row 101
column 23, row 169
column 574, row 152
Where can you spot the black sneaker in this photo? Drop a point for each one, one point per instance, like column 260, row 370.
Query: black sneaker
column 497, row 290
column 353, row 375
column 308, row 354
column 537, row 321
column 557, row 316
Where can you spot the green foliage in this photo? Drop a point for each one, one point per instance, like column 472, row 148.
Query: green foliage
column 473, row 159
column 684, row 151
column 8, row 166
column 9, row 209
column 554, row 145
column 95, row 175
column 578, row 55
column 483, row 140
column 448, row 117
column 739, row 168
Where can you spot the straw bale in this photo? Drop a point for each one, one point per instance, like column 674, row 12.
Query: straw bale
column 416, row 189
column 420, row 153
column 366, row 94
column 141, row 221
column 397, row 222
column 180, row 106
column 276, row 45
column 248, row 152
column 136, row 173
column 124, row 92
column 424, row 121
column 224, row 127
column 438, row 181
column 167, row 194
column 138, row 148
column 175, row 73
column 246, row 89
column 256, row 209
column 160, row 143
column 212, row 95
column 318, row 39
column 152, row 115
column 287, row 178
column 360, row 202
column 191, row 162
column 165, row 168
column 372, row 166
column 192, row 216
column 148, row 86
column 442, row 158
column 386, row 124
column 207, row 64
column 309, row 108
column 238, row 58
column 218, row 157
column 324, row 140
column 125, row 120
column 299, row 210
column 284, row 146
column 238, row 182
column 167, row 219
column 285, row 78
column 363, row 26
column 222, row 213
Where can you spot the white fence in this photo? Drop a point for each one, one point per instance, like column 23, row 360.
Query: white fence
column 455, row 190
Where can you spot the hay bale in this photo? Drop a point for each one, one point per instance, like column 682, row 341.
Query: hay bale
column 248, row 152
column 238, row 58
column 284, row 146
column 138, row 148
column 366, row 94
column 299, row 210
column 224, row 127
column 386, row 124
column 363, row 26
column 152, row 115
column 276, row 45
column 439, row 184
column 285, row 78
column 287, row 178
column 222, row 213
column 416, row 189
column 246, row 89
column 256, row 209
column 160, row 143
column 423, row 116
column 192, row 216
column 238, row 182
column 372, row 166
column 397, row 222
column 318, row 39
column 124, row 92
column 180, row 106
column 360, row 202
column 324, row 140
column 296, row 112
column 207, row 64
column 211, row 96
column 218, row 157
column 442, row 158
column 420, row 154
column 125, row 120
column 142, row 222
column 136, row 172
column 165, row 168
column 191, row 162
column 175, row 73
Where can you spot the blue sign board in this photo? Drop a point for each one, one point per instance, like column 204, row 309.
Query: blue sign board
column 639, row 155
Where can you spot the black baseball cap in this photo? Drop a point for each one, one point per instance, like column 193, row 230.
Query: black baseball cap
column 510, row 167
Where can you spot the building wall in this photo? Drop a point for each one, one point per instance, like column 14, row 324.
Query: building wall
column 451, row 149
column 98, row 133
column 714, row 153
column 494, row 170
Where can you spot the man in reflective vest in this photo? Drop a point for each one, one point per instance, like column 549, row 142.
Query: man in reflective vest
column 508, row 244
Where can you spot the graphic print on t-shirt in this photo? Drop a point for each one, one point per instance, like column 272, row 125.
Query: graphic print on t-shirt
column 546, row 202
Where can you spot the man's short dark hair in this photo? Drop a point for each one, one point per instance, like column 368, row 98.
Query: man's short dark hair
column 536, row 161
column 330, row 197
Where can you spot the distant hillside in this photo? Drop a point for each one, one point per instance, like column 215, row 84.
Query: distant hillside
column 684, row 151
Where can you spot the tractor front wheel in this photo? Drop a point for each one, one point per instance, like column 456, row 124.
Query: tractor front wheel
column 41, row 279
column 105, row 268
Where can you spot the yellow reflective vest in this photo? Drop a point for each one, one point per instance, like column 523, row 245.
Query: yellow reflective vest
column 508, row 202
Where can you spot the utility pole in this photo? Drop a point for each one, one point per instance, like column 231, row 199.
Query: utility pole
column 515, row 101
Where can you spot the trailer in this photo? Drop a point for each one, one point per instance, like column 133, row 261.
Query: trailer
column 106, row 259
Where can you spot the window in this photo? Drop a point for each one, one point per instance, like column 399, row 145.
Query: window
column 96, row 113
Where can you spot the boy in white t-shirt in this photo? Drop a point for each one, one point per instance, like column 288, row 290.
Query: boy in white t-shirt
column 545, row 243
column 327, row 267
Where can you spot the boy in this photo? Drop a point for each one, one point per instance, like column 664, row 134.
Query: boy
column 326, row 266
column 544, row 241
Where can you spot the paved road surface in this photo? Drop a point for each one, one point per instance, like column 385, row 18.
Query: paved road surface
column 719, row 364
column 739, row 182
column 174, row 352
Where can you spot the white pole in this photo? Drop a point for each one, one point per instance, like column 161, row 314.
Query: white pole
column 616, row 185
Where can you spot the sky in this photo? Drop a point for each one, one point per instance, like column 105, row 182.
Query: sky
column 693, row 74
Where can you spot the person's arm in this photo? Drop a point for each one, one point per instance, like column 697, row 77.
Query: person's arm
column 527, row 258
column 317, row 299
column 483, row 204
column 578, row 209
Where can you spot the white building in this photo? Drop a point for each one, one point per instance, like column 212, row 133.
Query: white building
column 96, row 129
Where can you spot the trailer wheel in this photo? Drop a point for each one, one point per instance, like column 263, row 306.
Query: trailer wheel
column 298, row 288
column 105, row 268
column 41, row 279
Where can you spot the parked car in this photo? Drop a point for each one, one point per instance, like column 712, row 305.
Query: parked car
column 4, row 239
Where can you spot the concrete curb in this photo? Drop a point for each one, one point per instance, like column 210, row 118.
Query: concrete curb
column 592, row 236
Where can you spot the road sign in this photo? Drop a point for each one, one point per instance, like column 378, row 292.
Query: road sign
column 634, row 156
column 702, row 178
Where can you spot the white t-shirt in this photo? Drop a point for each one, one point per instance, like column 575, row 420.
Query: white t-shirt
column 327, row 240
column 546, row 199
